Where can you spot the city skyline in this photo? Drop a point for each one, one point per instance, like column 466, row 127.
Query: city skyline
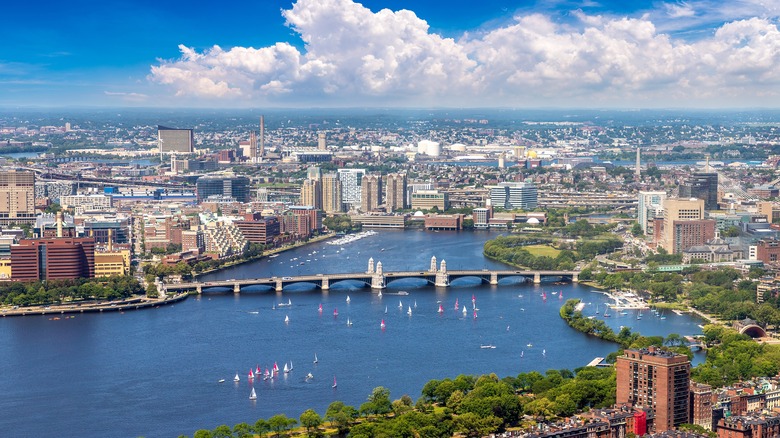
column 341, row 53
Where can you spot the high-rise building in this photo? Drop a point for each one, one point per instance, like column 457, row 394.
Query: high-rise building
column 351, row 185
column 331, row 194
column 701, row 405
column 173, row 140
column 322, row 144
column 684, row 225
column 395, row 197
column 657, row 379
column 314, row 173
column 371, row 193
column 311, row 193
column 50, row 259
column 17, row 197
column 514, row 195
column 702, row 185
column 236, row 187
column 481, row 217
column 651, row 206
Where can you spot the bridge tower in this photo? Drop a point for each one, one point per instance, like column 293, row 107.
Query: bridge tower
column 377, row 278
column 370, row 266
column 325, row 285
column 442, row 278
column 433, row 264
column 236, row 288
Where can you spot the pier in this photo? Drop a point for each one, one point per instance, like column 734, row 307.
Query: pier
column 376, row 278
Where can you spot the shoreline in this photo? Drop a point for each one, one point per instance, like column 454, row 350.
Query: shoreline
column 133, row 303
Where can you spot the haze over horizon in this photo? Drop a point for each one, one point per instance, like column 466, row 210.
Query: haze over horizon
column 379, row 53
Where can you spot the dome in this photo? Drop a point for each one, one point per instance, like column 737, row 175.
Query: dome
column 533, row 221
column 418, row 213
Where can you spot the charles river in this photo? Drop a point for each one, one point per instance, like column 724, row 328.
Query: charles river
column 155, row 372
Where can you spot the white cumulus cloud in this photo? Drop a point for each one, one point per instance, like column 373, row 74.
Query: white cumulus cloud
column 354, row 56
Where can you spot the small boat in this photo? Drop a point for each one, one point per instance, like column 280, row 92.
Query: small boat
column 379, row 294
column 403, row 292
column 267, row 375
column 291, row 366
column 221, row 381
column 320, row 309
column 382, row 325
column 251, row 375
column 253, row 394
column 473, row 299
column 335, row 312
column 315, row 358
column 465, row 312
column 522, row 353
column 349, row 323
column 560, row 295
column 286, row 319
column 415, row 304
column 287, row 304
column 486, row 347
column 286, row 368
column 441, row 309
column 334, row 382
column 529, row 345
column 236, row 379
column 348, row 300
column 400, row 305
column 385, row 310
column 275, row 369
column 456, row 305
column 309, row 376
column 475, row 314
column 597, row 309
column 544, row 352
column 258, row 371
column 409, row 312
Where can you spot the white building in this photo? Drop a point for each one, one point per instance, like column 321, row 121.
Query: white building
column 514, row 195
column 351, row 184
column 651, row 206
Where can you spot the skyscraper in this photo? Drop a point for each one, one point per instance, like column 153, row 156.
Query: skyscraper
column 371, row 193
column 331, row 193
column 514, row 195
column 395, row 197
column 351, row 183
column 311, row 193
column 702, row 185
column 322, row 144
column 651, row 206
column 658, row 379
column 17, row 197
column 684, row 225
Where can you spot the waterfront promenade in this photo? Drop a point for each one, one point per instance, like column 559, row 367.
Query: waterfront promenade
column 133, row 303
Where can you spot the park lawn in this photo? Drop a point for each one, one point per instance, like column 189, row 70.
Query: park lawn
column 542, row 250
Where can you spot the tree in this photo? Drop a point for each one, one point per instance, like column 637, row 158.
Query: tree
column 280, row 423
column 475, row 426
column 242, row 430
column 341, row 416
column 203, row 433
column 636, row 229
column 378, row 402
column 223, row 431
column 310, row 420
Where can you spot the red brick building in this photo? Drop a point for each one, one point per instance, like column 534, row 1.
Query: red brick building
column 51, row 259
column 656, row 379
column 262, row 231
column 752, row 426
column 768, row 250
column 444, row 222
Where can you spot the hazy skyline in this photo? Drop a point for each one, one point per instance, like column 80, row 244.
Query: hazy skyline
column 337, row 53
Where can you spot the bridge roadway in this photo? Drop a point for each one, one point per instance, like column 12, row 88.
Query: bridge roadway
column 375, row 280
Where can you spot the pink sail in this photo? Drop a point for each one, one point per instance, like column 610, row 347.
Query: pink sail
column 441, row 309
column 456, row 304
column 382, row 325
column 335, row 312
column 320, row 308
column 475, row 314
column 251, row 375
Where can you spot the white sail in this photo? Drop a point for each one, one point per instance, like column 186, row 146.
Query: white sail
column 315, row 356
column 253, row 395
column 286, row 369
column 409, row 312
column 348, row 300
column 236, row 379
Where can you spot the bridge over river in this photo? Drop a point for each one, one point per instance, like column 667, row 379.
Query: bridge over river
column 376, row 278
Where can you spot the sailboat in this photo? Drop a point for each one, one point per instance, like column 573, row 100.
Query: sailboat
column 267, row 375
column 465, row 312
column 560, row 295
column 456, row 305
column 475, row 314
column 409, row 312
column 473, row 299
column 287, row 304
column 335, row 312
column 286, row 368
column 522, row 353
column 385, row 310
column 291, row 366
column 441, row 309
column 544, row 352
column 286, row 319
column 662, row 316
column 315, row 358
column 334, row 382
column 236, row 379
column 379, row 294
column 639, row 315
column 349, row 323
column 275, row 369
column 382, row 325
column 258, row 371
column 320, row 308
column 597, row 309
column 348, row 300
column 415, row 304
column 400, row 305
column 606, row 312
column 253, row 394
column 251, row 374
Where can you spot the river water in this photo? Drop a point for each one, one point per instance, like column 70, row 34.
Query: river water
column 155, row 372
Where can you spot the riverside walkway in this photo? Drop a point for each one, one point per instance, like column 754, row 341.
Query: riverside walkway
column 375, row 278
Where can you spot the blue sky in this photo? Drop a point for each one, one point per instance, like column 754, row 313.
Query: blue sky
column 333, row 53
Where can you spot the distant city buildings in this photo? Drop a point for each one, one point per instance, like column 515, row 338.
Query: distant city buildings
column 395, row 197
column 650, row 207
column 702, row 185
column 370, row 193
column 332, row 201
column 233, row 187
column 684, row 225
column 351, row 187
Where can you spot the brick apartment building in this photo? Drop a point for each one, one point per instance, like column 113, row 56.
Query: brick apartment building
column 656, row 379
